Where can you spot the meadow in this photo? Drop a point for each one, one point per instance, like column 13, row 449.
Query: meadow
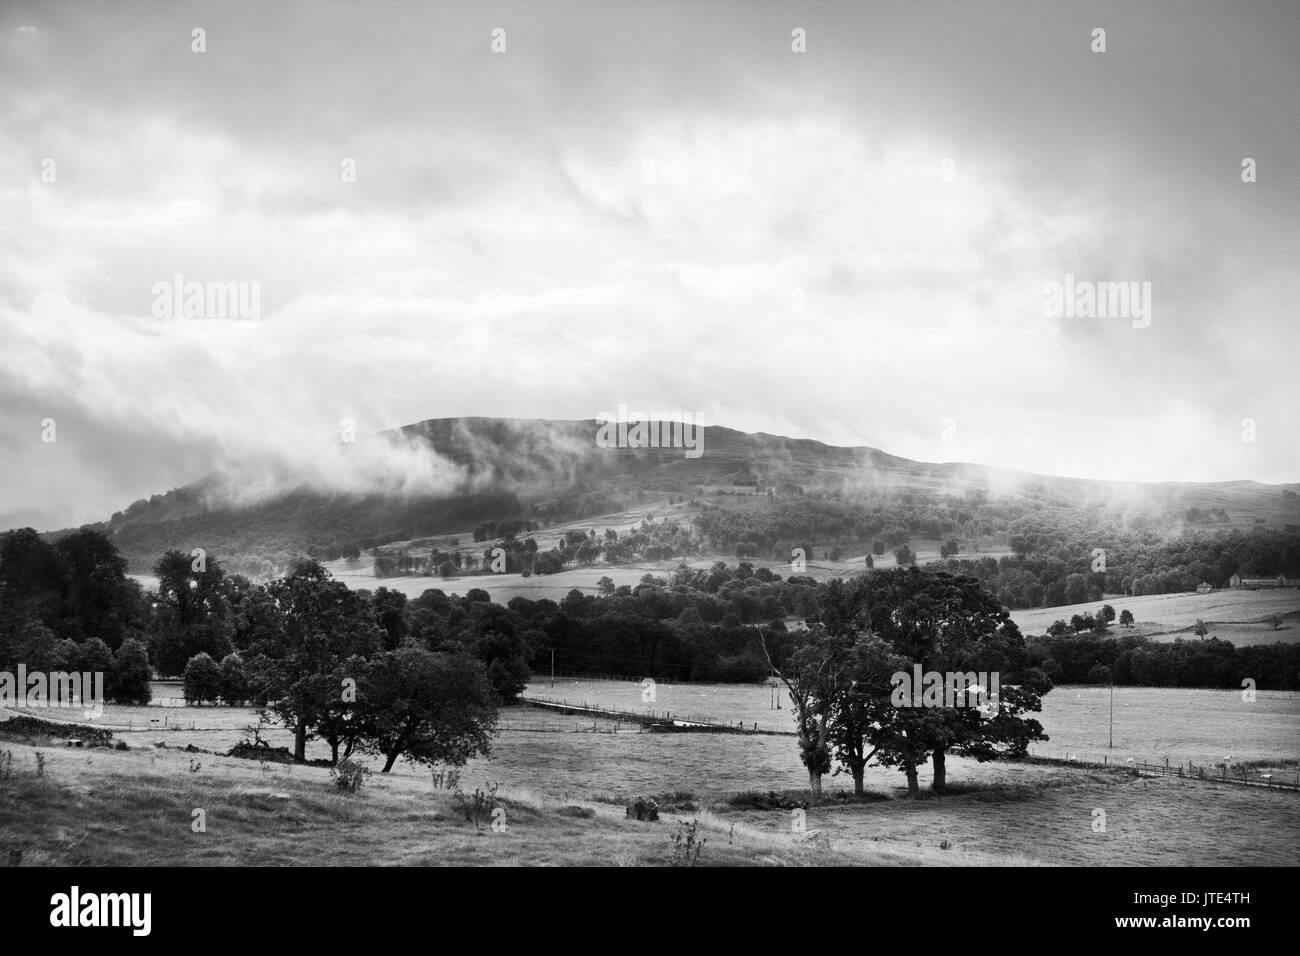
column 1238, row 616
column 563, row 788
column 1150, row 724
column 134, row 806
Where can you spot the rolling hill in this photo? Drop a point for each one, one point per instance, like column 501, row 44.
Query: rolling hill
column 546, row 471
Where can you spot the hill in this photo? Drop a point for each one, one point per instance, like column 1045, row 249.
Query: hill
column 533, row 474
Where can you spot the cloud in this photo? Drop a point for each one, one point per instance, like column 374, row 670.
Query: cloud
column 658, row 210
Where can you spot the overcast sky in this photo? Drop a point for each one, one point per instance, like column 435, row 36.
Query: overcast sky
column 655, row 204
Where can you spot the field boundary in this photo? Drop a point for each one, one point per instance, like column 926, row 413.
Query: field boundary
column 1188, row 771
column 663, row 721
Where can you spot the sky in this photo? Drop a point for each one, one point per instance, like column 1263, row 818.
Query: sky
column 661, row 205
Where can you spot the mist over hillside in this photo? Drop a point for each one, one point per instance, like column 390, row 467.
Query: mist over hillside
column 447, row 475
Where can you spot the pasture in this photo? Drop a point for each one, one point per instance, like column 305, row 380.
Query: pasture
column 543, row 761
column 1151, row 724
column 1238, row 616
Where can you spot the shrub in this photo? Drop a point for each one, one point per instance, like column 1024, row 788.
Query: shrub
column 349, row 775
column 757, row 800
column 478, row 807
column 643, row 808
column 687, row 846
column 677, row 801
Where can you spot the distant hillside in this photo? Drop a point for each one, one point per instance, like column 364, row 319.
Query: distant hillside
column 546, row 471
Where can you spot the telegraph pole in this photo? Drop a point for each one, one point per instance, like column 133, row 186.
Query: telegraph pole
column 1112, row 713
column 552, row 667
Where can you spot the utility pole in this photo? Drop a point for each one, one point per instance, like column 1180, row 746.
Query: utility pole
column 1112, row 714
column 552, row 667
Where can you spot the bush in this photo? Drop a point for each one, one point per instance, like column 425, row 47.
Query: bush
column 757, row 800
column 349, row 775
column 687, row 846
column 643, row 808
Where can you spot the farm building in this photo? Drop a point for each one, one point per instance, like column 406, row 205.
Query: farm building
column 1281, row 581
column 1204, row 588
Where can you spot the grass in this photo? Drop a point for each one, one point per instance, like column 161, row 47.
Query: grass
column 106, row 807
column 564, row 792
column 1150, row 724
column 1168, row 613
column 134, row 809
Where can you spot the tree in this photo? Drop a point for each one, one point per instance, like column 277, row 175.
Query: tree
column 390, row 614
column 192, row 613
column 202, row 679
column 31, row 576
column 904, row 556
column 1200, row 629
column 878, row 547
column 233, row 680
column 863, row 706
column 1107, row 613
column 329, row 630
column 429, row 707
column 1099, row 674
column 944, row 623
column 99, row 599
column 1076, row 589
column 812, row 676
column 131, row 674
column 1126, row 618
column 605, row 585
column 93, row 656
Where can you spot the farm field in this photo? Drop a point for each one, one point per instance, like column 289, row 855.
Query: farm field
column 101, row 807
column 1151, row 724
column 1238, row 617
column 359, row 574
column 1164, row 613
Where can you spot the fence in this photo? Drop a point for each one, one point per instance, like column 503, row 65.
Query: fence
column 662, row 720
column 543, row 727
column 1276, row 778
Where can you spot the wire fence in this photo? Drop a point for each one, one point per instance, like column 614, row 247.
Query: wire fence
column 651, row 717
column 1249, row 775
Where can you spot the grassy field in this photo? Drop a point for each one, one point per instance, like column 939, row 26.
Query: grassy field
column 1236, row 616
column 1150, row 724
column 102, row 806
column 503, row 587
